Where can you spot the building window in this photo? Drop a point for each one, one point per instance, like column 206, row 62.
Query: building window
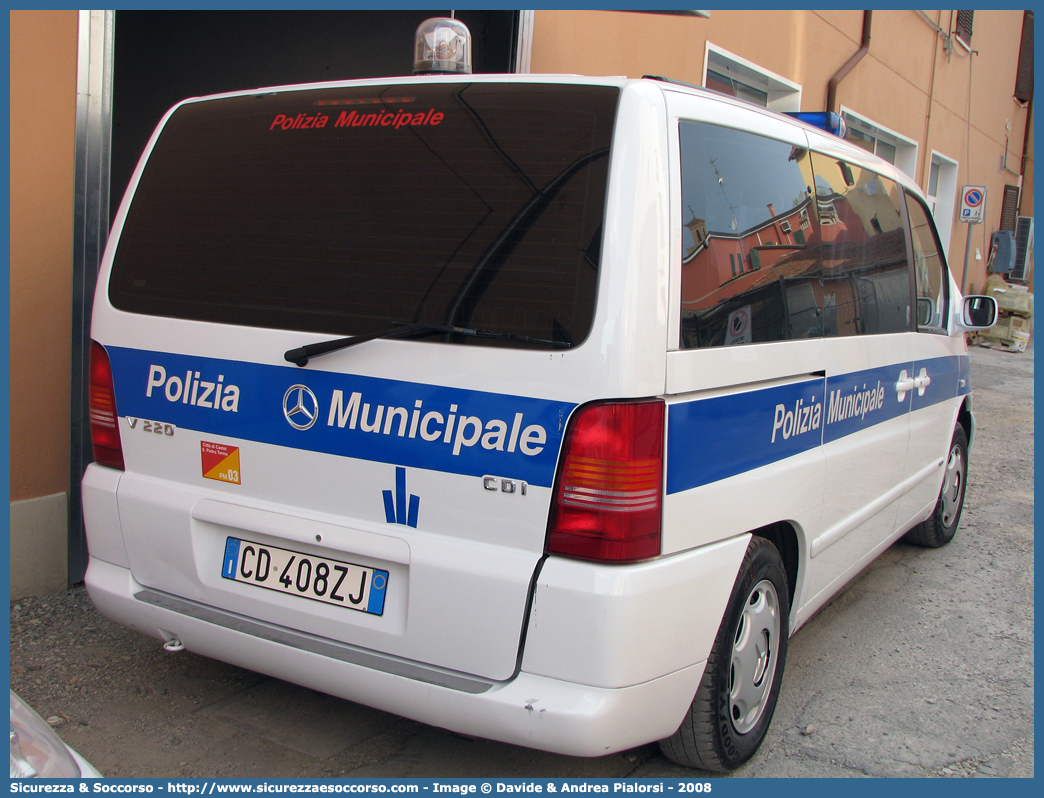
column 735, row 76
column 941, row 193
column 882, row 142
column 727, row 84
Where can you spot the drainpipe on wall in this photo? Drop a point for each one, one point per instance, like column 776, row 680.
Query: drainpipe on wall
column 1027, row 140
column 857, row 56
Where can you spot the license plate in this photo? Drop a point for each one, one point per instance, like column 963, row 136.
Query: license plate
column 343, row 584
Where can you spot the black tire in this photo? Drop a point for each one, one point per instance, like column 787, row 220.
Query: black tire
column 722, row 730
column 939, row 529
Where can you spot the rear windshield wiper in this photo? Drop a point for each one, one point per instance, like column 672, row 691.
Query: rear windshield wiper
column 301, row 355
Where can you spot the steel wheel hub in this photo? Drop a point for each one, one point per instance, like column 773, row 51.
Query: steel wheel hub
column 754, row 651
column 953, row 485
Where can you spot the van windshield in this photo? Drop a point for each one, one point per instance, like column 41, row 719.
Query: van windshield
column 349, row 210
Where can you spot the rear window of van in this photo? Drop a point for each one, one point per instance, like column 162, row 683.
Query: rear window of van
column 349, row 210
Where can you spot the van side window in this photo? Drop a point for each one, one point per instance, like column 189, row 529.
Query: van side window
column 864, row 259
column 747, row 232
column 929, row 269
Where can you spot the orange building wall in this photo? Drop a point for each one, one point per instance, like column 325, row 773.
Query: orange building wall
column 43, row 135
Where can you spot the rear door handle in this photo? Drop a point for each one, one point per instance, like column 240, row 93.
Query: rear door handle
column 922, row 381
column 905, row 384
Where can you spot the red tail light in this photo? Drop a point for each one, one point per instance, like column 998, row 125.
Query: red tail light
column 101, row 401
column 609, row 494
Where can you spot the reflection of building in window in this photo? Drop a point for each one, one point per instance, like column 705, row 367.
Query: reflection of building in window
column 858, row 287
column 846, row 277
column 827, row 212
column 698, row 229
column 717, row 258
column 747, row 206
column 803, row 224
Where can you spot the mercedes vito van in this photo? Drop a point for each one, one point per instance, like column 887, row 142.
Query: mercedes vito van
column 539, row 408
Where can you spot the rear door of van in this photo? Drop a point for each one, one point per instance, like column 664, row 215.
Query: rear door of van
column 391, row 494
column 795, row 335
column 747, row 381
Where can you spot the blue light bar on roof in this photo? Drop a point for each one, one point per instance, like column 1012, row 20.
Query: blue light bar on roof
column 824, row 120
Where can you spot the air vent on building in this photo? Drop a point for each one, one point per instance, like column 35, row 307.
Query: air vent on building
column 964, row 27
column 1009, row 208
column 1024, row 78
column 1023, row 250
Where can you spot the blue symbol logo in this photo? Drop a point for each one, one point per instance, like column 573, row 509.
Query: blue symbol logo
column 395, row 508
column 231, row 558
column 973, row 198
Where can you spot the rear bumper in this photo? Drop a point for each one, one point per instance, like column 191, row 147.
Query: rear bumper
column 529, row 710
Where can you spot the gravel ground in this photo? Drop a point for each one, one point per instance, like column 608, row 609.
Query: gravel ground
column 922, row 667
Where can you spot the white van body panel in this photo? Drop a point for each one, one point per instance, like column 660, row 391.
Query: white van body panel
column 664, row 610
column 457, row 541
column 433, row 467
column 532, row 711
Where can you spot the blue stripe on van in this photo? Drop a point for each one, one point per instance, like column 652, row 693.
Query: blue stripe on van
column 862, row 399
column 708, row 439
column 722, row 436
column 946, row 374
column 713, row 439
column 424, row 426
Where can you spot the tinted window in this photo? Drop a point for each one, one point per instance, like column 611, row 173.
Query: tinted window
column 864, row 261
column 929, row 269
column 344, row 211
column 749, row 270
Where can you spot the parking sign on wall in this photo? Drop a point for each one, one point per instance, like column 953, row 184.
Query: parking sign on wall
column 973, row 204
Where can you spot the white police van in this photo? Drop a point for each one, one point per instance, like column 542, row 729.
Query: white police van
column 537, row 408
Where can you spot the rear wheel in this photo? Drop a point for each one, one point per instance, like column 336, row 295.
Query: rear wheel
column 733, row 706
column 939, row 529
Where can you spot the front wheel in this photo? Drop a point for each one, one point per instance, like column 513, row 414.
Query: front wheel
column 940, row 528
column 733, row 706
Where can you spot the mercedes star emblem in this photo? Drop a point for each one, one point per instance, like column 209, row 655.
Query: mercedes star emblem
column 300, row 407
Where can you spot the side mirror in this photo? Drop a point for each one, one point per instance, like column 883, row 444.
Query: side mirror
column 978, row 313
